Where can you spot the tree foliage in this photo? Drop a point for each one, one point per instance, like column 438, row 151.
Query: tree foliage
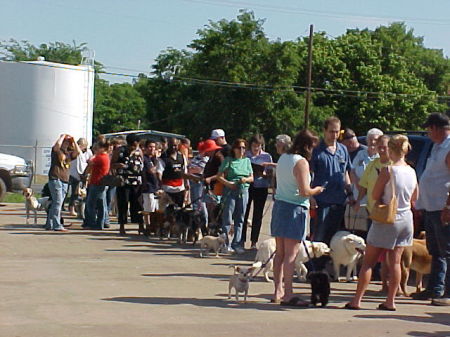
column 235, row 78
column 118, row 107
column 232, row 76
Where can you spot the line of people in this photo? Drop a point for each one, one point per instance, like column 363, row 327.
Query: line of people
column 323, row 178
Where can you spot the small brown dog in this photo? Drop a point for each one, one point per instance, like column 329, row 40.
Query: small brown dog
column 417, row 258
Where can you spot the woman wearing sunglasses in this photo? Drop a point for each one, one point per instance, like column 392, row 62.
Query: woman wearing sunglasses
column 236, row 174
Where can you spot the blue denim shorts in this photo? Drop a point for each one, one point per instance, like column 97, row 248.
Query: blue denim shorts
column 288, row 220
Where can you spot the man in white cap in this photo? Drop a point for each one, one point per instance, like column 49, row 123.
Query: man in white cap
column 218, row 135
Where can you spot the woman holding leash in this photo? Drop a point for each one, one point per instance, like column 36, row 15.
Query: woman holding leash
column 289, row 214
column 236, row 174
column 400, row 181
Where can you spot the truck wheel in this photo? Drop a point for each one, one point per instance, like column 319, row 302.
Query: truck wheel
column 2, row 189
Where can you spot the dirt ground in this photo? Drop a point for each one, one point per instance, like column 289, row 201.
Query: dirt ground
column 97, row 283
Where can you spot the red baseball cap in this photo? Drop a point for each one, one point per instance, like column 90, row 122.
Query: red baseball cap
column 209, row 145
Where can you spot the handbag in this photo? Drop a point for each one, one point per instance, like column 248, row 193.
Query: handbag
column 218, row 186
column 386, row 213
column 356, row 221
column 112, row 180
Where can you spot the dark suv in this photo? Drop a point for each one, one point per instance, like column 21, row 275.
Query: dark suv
column 421, row 148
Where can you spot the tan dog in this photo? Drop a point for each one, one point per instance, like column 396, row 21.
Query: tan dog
column 211, row 243
column 268, row 246
column 240, row 281
column 33, row 204
column 417, row 258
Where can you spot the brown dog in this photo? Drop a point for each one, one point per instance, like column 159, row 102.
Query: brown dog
column 417, row 258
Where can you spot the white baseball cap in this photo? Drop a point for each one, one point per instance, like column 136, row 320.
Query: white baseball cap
column 216, row 133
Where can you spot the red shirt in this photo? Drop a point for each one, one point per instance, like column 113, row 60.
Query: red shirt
column 100, row 168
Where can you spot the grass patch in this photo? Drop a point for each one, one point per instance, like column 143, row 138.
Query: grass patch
column 14, row 197
column 17, row 197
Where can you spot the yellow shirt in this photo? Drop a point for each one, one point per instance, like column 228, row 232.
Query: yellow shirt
column 369, row 178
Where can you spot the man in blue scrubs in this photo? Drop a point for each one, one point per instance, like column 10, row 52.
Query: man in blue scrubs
column 331, row 166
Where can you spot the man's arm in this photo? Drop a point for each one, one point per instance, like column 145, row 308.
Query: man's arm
column 447, row 160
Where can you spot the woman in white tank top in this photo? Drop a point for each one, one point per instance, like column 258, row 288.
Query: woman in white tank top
column 395, row 237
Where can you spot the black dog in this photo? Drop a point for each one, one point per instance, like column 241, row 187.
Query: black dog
column 320, row 287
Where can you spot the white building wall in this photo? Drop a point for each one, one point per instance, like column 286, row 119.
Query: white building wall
column 39, row 101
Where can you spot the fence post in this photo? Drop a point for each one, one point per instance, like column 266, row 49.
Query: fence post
column 35, row 161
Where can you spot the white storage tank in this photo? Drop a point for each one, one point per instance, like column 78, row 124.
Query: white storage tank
column 40, row 100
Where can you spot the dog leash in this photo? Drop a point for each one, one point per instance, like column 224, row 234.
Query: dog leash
column 309, row 256
column 264, row 264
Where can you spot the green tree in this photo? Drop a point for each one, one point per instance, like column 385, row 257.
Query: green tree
column 193, row 92
column 60, row 52
column 368, row 83
column 118, row 107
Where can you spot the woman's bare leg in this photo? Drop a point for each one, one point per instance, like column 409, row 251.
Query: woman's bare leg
column 394, row 257
column 277, row 269
column 365, row 274
column 290, row 253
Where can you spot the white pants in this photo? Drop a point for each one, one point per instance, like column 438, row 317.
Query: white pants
column 150, row 204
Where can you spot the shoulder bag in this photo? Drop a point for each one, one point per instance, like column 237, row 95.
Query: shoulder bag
column 386, row 213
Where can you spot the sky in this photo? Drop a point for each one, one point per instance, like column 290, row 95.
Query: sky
column 127, row 35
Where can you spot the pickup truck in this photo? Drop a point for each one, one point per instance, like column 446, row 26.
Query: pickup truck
column 15, row 174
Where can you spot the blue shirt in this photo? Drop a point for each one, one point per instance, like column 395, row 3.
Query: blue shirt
column 330, row 167
column 433, row 193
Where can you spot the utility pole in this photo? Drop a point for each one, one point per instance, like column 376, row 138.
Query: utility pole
column 308, row 80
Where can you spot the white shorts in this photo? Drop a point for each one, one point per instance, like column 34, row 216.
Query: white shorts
column 150, row 204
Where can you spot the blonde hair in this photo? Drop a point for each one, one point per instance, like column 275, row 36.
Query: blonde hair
column 399, row 144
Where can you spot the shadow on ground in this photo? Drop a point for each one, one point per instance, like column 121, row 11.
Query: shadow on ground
column 433, row 318
column 199, row 302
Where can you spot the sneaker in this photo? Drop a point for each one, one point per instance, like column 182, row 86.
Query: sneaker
column 424, row 295
column 239, row 250
column 443, row 301
column 229, row 250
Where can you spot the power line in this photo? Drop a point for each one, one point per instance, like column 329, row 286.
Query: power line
column 256, row 86
column 329, row 14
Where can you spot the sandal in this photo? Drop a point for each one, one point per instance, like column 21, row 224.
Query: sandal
column 349, row 306
column 294, row 302
column 275, row 300
column 384, row 307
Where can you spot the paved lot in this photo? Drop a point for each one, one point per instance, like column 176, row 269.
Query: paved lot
column 86, row 283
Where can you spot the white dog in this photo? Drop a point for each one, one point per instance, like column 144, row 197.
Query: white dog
column 267, row 247
column 346, row 249
column 33, row 204
column 240, row 281
column 212, row 243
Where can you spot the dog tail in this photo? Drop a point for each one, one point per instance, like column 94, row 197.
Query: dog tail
column 257, row 264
